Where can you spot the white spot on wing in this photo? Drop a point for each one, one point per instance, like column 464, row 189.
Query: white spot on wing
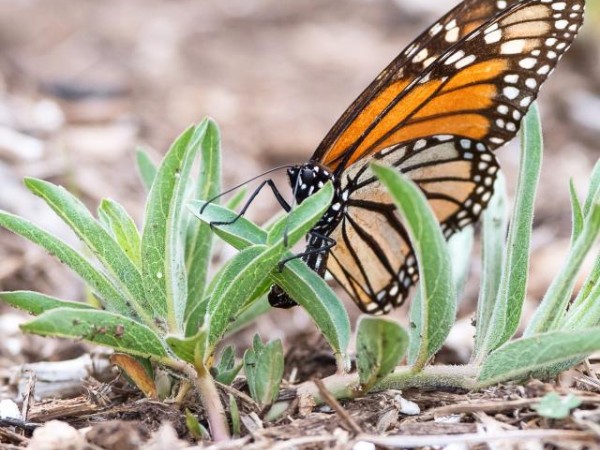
column 465, row 61
column 528, row 63
column 452, row 35
column 511, row 92
column 421, row 56
column 493, row 37
column 513, row 47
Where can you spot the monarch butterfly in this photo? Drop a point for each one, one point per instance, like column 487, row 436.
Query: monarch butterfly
column 436, row 113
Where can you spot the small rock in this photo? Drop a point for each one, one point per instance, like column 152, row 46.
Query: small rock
column 20, row 146
column 47, row 115
column 56, row 435
column 165, row 438
column 9, row 410
column 407, row 407
column 102, row 143
column 363, row 445
column 117, row 435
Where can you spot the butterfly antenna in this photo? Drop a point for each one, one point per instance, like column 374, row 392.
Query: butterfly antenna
column 228, row 191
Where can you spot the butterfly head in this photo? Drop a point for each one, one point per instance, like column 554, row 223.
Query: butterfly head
column 307, row 179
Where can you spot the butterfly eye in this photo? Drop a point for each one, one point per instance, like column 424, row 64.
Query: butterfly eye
column 307, row 175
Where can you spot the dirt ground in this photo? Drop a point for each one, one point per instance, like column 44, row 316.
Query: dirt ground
column 83, row 83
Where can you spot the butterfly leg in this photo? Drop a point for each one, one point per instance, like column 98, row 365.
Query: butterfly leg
column 319, row 244
column 325, row 244
column 284, row 204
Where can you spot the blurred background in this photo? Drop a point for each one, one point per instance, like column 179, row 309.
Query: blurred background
column 83, row 83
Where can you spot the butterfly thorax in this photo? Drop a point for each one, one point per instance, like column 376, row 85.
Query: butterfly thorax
column 306, row 180
column 309, row 178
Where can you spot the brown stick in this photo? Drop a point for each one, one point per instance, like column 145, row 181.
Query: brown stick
column 335, row 405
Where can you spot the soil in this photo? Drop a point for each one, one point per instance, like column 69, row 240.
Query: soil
column 83, row 83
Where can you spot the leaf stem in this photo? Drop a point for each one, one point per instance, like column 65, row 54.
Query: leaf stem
column 343, row 386
column 209, row 396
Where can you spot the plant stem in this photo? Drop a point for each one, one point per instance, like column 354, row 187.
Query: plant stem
column 209, row 396
column 348, row 385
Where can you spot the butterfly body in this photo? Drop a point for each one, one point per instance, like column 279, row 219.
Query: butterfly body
column 436, row 113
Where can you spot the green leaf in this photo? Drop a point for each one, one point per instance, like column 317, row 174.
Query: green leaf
column 576, row 213
column 162, row 249
column 146, row 168
column 589, row 286
column 191, row 349
column 311, row 292
column 111, row 297
column 240, row 234
column 99, row 327
column 494, row 226
column 460, row 247
column 415, row 327
column 593, row 190
column 195, row 428
column 513, row 284
column 36, row 303
column 517, row 360
column 74, row 213
column 582, row 303
column 123, row 229
column 226, row 370
column 438, row 298
column 199, row 235
column 236, row 427
column 249, row 314
column 553, row 406
column 263, row 365
column 300, row 282
column 236, row 285
column 380, row 344
column 550, row 312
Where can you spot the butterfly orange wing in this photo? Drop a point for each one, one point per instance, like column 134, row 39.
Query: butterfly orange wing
column 408, row 65
column 479, row 87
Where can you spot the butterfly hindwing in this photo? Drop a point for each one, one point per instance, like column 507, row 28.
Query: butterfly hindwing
column 373, row 259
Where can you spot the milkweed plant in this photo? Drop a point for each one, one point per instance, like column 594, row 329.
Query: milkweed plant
column 153, row 304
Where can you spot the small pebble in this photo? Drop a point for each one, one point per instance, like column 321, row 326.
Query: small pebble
column 9, row 410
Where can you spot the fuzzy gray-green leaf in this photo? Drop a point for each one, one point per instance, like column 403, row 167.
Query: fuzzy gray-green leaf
column 190, row 349
column 146, row 168
column 555, row 406
column 36, row 303
column 111, row 296
column 550, row 312
column 162, row 249
column 74, row 213
column 513, row 284
column 199, row 234
column 438, row 298
column 576, row 213
column 263, row 365
column 380, row 344
column 593, row 195
column 99, row 327
column 518, row 359
column 494, row 226
column 123, row 228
